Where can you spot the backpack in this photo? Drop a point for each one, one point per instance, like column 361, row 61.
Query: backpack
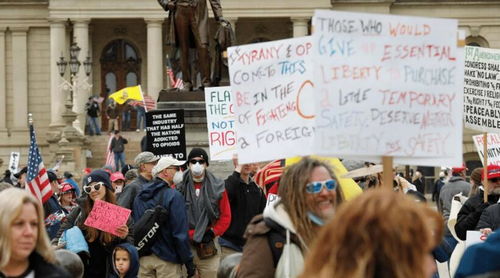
column 147, row 228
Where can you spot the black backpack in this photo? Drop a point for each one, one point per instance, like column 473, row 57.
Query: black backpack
column 147, row 229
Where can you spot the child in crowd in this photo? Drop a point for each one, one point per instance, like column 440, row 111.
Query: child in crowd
column 125, row 261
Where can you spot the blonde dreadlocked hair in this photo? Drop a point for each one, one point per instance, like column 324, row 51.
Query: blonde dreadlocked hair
column 292, row 192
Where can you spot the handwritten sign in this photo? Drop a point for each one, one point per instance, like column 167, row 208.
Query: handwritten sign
column 387, row 86
column 482, row 89
column 493, row 148
column 14, row 161
column 272, row 89
column 107, row 217
column 220, row 123
column 166, row 133
column 474, row 237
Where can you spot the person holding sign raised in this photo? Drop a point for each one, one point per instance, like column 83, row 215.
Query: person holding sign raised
column 101, row 244
column 470, row 213
column 171, row 250
column 208, row 210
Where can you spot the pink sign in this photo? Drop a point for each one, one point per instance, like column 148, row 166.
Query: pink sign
column 107, row 217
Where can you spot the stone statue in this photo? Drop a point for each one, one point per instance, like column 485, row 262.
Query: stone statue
column 189, row 29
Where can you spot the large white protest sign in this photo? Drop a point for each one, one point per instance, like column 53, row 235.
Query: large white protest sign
column 220, row 123
column 388, row 86
column 493, row 147
column 482, row 89
column 272, row 89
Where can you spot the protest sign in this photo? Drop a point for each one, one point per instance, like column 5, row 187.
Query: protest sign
column 273, row 92
column 14, row 162
column 220, row 123
column 482, row 89
column 166, row 133
column 388, row 86
column 474, row 237
column 107, row 217
column 493, row 150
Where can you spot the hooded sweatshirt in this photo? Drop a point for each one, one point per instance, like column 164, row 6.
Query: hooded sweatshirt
column 133, row 269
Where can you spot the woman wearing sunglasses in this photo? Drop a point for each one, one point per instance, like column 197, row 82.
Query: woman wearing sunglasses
column 309, row 195
column 101, row 244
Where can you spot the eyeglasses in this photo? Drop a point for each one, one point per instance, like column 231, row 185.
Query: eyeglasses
column 96, row 186
column 194, row 161
column 317, row 186
column 495, row 179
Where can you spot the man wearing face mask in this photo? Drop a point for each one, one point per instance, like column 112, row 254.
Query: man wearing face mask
column 145, row 162
column 208, row 210
column 171, row 250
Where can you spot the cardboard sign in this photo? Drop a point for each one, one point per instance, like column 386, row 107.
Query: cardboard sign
column 220, row 123
column 107, row 217
column 493, row 147
column 273, row 92
column 482, row 89
column 14, row 162
column 166, row 133
column 387, row 86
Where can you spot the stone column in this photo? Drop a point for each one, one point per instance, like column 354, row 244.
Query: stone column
column 155, row 57
column 300, row 26
column 57, row 49
column 20, row 80
column 3, row 87
column 81, row 93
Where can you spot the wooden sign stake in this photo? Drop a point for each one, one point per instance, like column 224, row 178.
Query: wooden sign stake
column 388, row 172
column 485, row 169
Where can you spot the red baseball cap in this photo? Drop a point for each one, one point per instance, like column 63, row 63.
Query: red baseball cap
column 117, row 176
column 456, row 170
column 493, row 172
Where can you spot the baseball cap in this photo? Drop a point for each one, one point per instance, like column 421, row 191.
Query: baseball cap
column 456, row 170
column 117, row 176
column 493, row 172
column 145, row 157
column 166, row 162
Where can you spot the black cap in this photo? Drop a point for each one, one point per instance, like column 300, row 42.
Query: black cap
column 23, row 171
column 198, row 152
column 99, row 176
column 52, row 176
column 67, row 175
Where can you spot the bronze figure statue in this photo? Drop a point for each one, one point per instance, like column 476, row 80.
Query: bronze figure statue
column 189, row 29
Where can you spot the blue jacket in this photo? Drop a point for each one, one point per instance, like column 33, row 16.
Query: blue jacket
column 173, row 243
column 133, row 269
column 481, row 259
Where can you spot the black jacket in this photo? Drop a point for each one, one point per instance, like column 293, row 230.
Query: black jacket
column 43, row 269
column 246, row 201
column 469, row 214
column 130, row 191
column 118, row 145
column 490, row 218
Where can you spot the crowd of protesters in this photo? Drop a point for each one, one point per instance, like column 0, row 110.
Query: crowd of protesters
column 237, row 227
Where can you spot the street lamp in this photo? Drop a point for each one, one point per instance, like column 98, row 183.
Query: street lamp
column 74, row 65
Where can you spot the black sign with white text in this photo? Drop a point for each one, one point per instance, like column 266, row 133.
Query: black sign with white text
column 166, row 133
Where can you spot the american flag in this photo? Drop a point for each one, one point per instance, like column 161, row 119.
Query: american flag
column 37, row 180
column 269, row 173
column 175, row 82
column 110, row 157
column 148, row 102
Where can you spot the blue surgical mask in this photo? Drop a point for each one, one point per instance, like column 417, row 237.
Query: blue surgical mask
column 315, row 219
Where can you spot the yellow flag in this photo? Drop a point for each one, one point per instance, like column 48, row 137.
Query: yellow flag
column 349, row 187
column 127, row 93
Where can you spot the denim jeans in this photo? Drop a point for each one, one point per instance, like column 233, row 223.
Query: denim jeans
column 442, row 252
column 126, row 120
column 119, row 160
column 141, row 117
column 94, row 126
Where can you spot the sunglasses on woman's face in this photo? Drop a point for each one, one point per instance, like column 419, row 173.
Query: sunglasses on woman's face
column 96, row 186
column 317, row 186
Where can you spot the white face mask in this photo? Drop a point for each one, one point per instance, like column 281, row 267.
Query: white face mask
column 197, row 169
column 177, row 177
column 118, row 189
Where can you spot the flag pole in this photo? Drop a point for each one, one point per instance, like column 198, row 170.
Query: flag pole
column 485, row 170
column 30, row 119
column 143, row 100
